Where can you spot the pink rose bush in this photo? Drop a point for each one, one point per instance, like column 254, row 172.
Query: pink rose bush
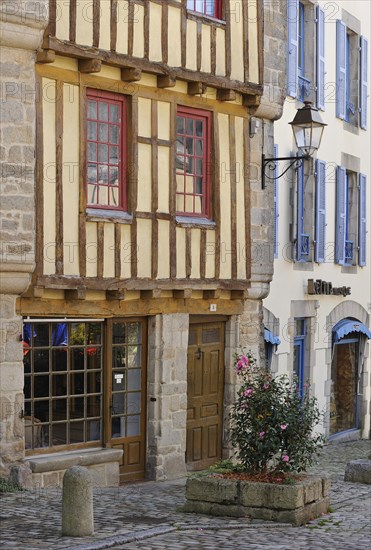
column 272, row 425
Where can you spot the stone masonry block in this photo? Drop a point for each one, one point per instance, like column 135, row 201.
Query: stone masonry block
column 209, row 490
column 312, row 490
column 358, row 471
column 282, row 497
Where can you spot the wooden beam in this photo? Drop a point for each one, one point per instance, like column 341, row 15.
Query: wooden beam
column 45, row 56
column 182, row 294
column 196, row 88
column 131, row 74
column 225, row 94
column 166, row 81
column 75, row 294
column 115, row 294
column 90, row 65
column 150, row 294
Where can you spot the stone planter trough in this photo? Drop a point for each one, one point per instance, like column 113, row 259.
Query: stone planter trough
column 296, row 504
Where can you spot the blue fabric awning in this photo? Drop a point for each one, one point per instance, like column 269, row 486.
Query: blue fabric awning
column 347, row 326
column 270, row 337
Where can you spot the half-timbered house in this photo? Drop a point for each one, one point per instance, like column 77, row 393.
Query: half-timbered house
column 152, row 247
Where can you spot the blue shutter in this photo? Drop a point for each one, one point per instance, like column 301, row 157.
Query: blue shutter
column 340, row 228
column 362, row 221
column 292, row 47
column 320, row 211
column 276, row 214
column 300, row 214
column 320, row 58
column 341, row 76
column 363, row 82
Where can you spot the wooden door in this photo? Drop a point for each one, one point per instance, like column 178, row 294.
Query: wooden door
column 205, row 395
column 126, row 394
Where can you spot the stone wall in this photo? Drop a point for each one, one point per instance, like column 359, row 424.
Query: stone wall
column 167, row 396
column 21, row 29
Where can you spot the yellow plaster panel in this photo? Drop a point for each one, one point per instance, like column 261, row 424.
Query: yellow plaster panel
column 105, row 26
column 126, row 248
column 144, row 240
column 148, row 80
column 181, row 87
column 174, row 45
column 110, row 72
column 206, row 49
column 220, row 52
column 66, row 63
column 144, row 198
column 109, row 250
column 163, row 116
column 155, row 49
column 84, row 22
column 122, row 26
column 237, row 69
column 138, row 42
column 191, row 58
column 95, row 295
column 163, row 250
column 91, row 249
column 180, row 253
column 49, row 95
column 240, row 200
column 70, row 177
column 53, row 294
column 253, row 42
column 62, row 20
column 144, row 117
column 163, row 178
column 210, row 254
column 225, row 198
column 196, row 253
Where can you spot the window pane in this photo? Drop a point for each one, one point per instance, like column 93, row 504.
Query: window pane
column 118, row 403
column 199, row 128
column 180, row 125
column 59, row 384
column 92, row 151
column 113, row 175
column 189, row 127
column 134, row 402
column 92, row 174
column 41, row 360
column 92, row 130
column 77, row 432
column 77, row 359
column 114, row 155
column 92, row 194
column 114, row 196
column 118, row 427
column 114, row 113
column 41, row 386
column 134, row 379
column 102, row 153
column 134, row 333
column 118, row 333
column 41, row 411
column 93, row 430
column 77, row 407
column 59, row 359
column 103, row 111
column 114, row 134
column 133, row 356
column 59, row 434
column 93, row 405
column 77, row 383
column 59, row 409
column 103, row 132
column 102, row 174
column 41, row 334
column 94, row 333
column 92, row 109
column 93, row 358
column 93, row 382
column 119, row 357
column 133, row 425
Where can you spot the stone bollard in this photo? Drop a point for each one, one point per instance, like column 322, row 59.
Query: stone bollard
column 77, row 503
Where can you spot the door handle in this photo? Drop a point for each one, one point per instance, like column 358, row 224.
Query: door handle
column 199, row 353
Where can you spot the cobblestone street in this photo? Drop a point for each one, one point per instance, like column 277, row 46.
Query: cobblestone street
column 147, row 516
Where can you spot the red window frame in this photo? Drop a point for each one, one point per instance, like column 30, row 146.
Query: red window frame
column 109, row 98
column 205, row 195
column 194, row 5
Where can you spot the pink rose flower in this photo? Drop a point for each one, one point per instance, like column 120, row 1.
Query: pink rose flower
column 285, row 458
column 248, row 393
column 266, row 386
column 283, row 426
column 262, row 434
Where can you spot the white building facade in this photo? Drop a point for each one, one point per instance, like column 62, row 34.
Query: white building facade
column 317, row 315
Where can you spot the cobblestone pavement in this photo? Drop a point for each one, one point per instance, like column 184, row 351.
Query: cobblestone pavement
column 147, row 516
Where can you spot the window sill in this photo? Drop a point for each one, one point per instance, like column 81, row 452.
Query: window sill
column 203, row 223
column 350, row 269
column 303, row 265
column 208, row 19
column 95, row 214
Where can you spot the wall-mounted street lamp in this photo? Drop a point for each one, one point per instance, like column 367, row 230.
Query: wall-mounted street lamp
column 307, row 128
